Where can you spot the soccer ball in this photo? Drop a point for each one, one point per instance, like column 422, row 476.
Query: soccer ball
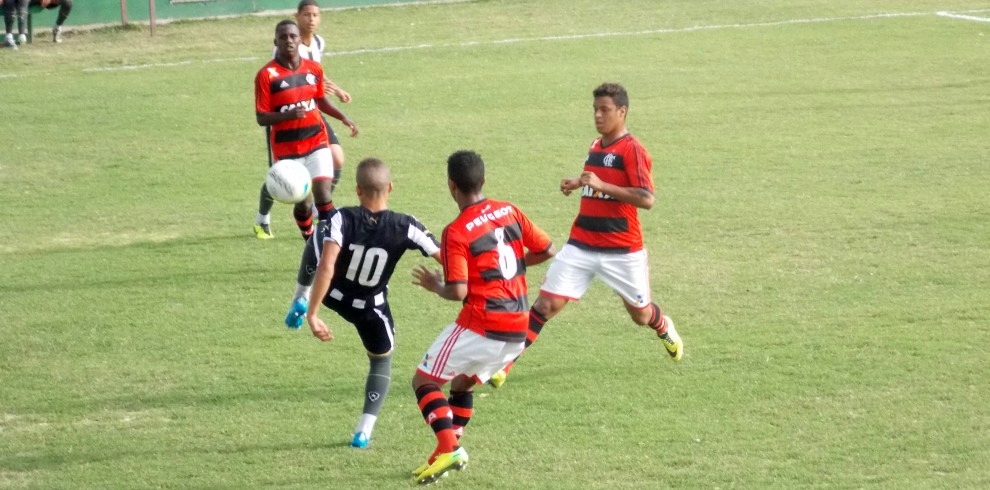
column 288, row 181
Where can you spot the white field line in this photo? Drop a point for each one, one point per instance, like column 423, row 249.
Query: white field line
column 393, row 49
column 953, row 15
column 812, row 20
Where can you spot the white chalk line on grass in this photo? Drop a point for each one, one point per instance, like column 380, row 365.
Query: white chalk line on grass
column 542, row 39
column 393, row 49
column 955, row 15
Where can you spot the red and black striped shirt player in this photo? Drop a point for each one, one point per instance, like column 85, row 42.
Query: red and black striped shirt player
column 289, row 96
column 606, row 239
column 484, row 253
column 604, row 223
column 485, row 247
column 280, row 89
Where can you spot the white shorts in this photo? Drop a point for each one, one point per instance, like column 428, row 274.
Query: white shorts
column 572, row 270
column 319, row 163
column 458, row 351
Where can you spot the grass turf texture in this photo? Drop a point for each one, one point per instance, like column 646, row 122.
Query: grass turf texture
column 820, row 239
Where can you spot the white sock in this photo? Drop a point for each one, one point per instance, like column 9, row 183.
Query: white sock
column 301, row 292
column 263, row 219
column 366, row 424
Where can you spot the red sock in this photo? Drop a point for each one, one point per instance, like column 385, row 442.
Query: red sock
column 304, row 221
column 436, row 411
column 536, row 323
column 323, row 210
column 462, row 407
column 657, row 321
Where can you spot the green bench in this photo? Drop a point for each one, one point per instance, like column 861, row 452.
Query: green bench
column 34, row 9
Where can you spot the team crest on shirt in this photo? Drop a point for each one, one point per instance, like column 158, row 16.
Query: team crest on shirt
column 609, row 160
column 311, row 79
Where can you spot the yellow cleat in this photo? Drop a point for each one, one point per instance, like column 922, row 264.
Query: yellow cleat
column 422, row 468
column 671, row 341
column 498, row 379
column 445, row 462
column 263, row 232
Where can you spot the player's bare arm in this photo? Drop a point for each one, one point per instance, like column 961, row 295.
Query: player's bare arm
column 332, row 88
column 321, row 284
column 534, row 258
column 331, row 110
column 637, row 196
column 570, row 185
column 432, row 281
column 272, row 118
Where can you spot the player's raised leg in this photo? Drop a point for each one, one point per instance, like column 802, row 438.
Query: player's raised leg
column 304, row 282
column 302, row 212
column 652, row 316
column 320, row 166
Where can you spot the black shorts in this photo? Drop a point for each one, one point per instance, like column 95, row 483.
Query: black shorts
column 330, row 133
column 374, row 325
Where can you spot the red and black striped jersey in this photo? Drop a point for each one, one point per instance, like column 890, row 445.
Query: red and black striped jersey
column 485, row 247
column 279, row 89
column 605, row 224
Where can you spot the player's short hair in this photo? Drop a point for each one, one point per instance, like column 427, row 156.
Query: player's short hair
column 307, row 3
column 286, row 22
column 614, row 90
column 373, row 176
column 466, row 170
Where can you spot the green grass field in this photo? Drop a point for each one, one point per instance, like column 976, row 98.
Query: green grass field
column 821, row 239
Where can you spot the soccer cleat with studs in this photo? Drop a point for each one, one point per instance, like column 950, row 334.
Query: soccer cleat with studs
column 498, row 379
column 297, row 310
column 456, row 460
column 263, row 232
column 672, row 341
column 360, row 440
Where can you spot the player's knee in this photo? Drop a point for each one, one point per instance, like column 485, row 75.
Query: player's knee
column 547, row 306
column 323, row 190
column 338, row 155
column 385, row 354
column 462, row 383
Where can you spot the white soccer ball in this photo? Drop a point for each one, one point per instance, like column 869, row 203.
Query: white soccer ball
column 288, row 181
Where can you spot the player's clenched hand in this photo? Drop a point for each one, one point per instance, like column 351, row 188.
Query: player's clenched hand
column 591, row 180
column 319, row 329
column 298, row 113
column 569, row 185
column 342, row 95
column 429, row 280
column 353, row 127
